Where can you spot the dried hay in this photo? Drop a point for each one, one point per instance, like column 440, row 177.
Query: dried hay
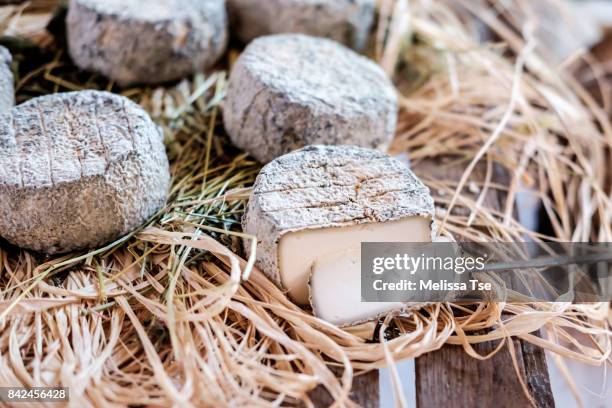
column 172, row 315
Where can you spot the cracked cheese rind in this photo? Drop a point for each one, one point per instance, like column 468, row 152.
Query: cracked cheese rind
column 289, row 91
column 345, row 21
column 146, row 42
column 78, row 170
column 7, row 90
column 331, row 188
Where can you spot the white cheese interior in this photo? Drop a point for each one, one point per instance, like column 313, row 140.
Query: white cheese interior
column 336, row 290
column 299, row 250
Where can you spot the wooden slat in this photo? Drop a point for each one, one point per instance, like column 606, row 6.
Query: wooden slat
column 449, row 377
column 536, row 370
column 365, row 392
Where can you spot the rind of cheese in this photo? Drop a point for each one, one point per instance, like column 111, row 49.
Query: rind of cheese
column 148, row 42
column 78, row 170
column 321, row 187
column 289, row 91
column 7, row 90
column 344, row 21
column 335, row 291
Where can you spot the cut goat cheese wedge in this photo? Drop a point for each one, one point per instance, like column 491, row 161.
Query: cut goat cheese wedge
column 7, row 90
column 335, row 290
column 299, row 250
column 323, row 199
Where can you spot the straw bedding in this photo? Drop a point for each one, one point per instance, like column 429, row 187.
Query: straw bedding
column 175, row 313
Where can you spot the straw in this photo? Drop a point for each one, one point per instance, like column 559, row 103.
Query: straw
column 177, row 313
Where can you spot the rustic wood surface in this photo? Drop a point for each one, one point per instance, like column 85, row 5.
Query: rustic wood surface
column 365, row 392
column 450, row 378
column 536, row 370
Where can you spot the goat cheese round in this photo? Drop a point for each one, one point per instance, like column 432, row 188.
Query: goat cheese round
column 7, row 90
column 148, row 42
column 321, row 200
column 78, row 170
column 288, row 91
column 345, row 21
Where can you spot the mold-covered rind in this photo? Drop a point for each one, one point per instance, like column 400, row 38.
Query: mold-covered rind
column 142, row 42
column 327, row 187
column 7, row 88
column 78, row 170
column 289, row 91
column 345, row 21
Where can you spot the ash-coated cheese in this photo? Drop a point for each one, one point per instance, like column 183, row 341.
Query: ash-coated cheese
column 78, row 170
column 345, row 21
column 325, row 199
column 7, row 90
column 288, row 91
column 148, row 42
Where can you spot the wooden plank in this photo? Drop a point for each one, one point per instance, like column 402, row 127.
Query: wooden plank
column 536, row 369
column 449, row 377
column 365, row 392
